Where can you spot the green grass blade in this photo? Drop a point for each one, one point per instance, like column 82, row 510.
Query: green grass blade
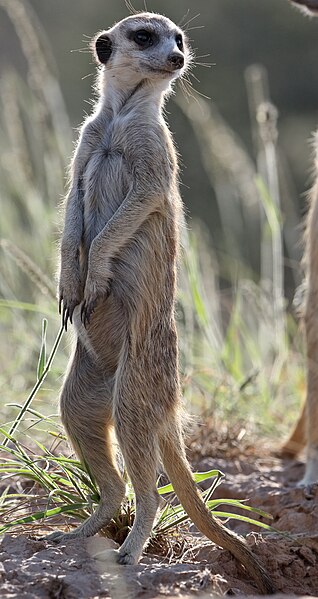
column 198, row 478
column 212, row 503
column 70, row 509
column 42, row 355
column 36, row 386
column 230, row 516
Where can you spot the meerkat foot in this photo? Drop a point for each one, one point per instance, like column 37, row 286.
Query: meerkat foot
column 99, row 519
column 60, row 537
column 87, row 529
column 126, row 558
column 311, row 474
column 130, row 551
column 55, row 537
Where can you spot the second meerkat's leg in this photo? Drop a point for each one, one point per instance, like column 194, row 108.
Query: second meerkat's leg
column 86, row 410
column 311, row 325
column 306, row 428
column 297, row 439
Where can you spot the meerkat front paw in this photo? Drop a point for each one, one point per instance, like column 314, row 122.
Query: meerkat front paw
column 92, row 294
column 70, row 296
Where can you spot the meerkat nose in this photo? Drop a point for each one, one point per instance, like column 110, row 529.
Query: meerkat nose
column 176, row 61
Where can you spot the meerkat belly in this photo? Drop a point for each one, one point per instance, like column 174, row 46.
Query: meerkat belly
column 142, row 268
column 105, row 337
column 106, row 182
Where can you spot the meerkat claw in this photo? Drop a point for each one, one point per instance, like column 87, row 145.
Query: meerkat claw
column 64, row 316
column 87, row 311
column 60, row 303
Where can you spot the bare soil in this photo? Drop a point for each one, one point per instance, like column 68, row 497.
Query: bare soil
column 74, row 570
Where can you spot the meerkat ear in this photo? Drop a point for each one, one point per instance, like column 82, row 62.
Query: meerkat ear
column 103, row 48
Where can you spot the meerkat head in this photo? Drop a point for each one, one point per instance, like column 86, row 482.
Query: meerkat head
column 308, row 6
column 145, row 46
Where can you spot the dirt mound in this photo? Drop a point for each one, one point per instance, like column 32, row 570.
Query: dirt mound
column 31, row 568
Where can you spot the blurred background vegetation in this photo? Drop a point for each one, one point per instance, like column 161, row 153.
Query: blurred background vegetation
column 245, row 161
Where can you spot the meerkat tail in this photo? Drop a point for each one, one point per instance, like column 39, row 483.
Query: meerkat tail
column 179, row 473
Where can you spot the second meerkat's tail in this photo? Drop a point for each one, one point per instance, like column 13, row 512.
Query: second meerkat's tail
column 178, row 470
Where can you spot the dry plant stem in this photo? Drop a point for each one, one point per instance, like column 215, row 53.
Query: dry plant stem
column 36, row 387
column 264, row 118
column 27, row 265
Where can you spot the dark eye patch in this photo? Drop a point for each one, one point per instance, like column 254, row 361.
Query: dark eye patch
column 143, row 38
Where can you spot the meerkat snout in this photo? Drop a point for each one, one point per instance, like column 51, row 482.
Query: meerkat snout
column 176, row 61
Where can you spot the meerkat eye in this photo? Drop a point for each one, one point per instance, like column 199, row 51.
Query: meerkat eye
column 179, row 41
column 143, row 38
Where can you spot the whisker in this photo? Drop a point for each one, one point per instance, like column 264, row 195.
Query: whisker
column 194, row 89
column 189, row 89
column 190, row 20
column 194, row 77
column 88, row 75
column 91, row 102
column 184, row 90
column 208, row 65
column 180, row 24
column 82, row 50
column 202, row 55
column 195, row 27
column 131, row 8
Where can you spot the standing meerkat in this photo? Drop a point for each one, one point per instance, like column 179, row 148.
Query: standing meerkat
column 305, row 433
column 118, row 282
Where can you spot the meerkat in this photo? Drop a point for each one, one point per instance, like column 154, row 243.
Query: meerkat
column 119, row 254
column 305, row 432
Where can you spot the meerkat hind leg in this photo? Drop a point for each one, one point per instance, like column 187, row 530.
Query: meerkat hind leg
column 297, row 439
column 86, row 410
column 311, row 319
column 142, row 469
column 311, row 327
column 140, row 451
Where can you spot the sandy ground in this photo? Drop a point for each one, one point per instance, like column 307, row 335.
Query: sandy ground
column 34, row 568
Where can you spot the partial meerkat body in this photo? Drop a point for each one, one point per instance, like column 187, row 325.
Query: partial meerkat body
column 117, row 283
column 305, row 433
